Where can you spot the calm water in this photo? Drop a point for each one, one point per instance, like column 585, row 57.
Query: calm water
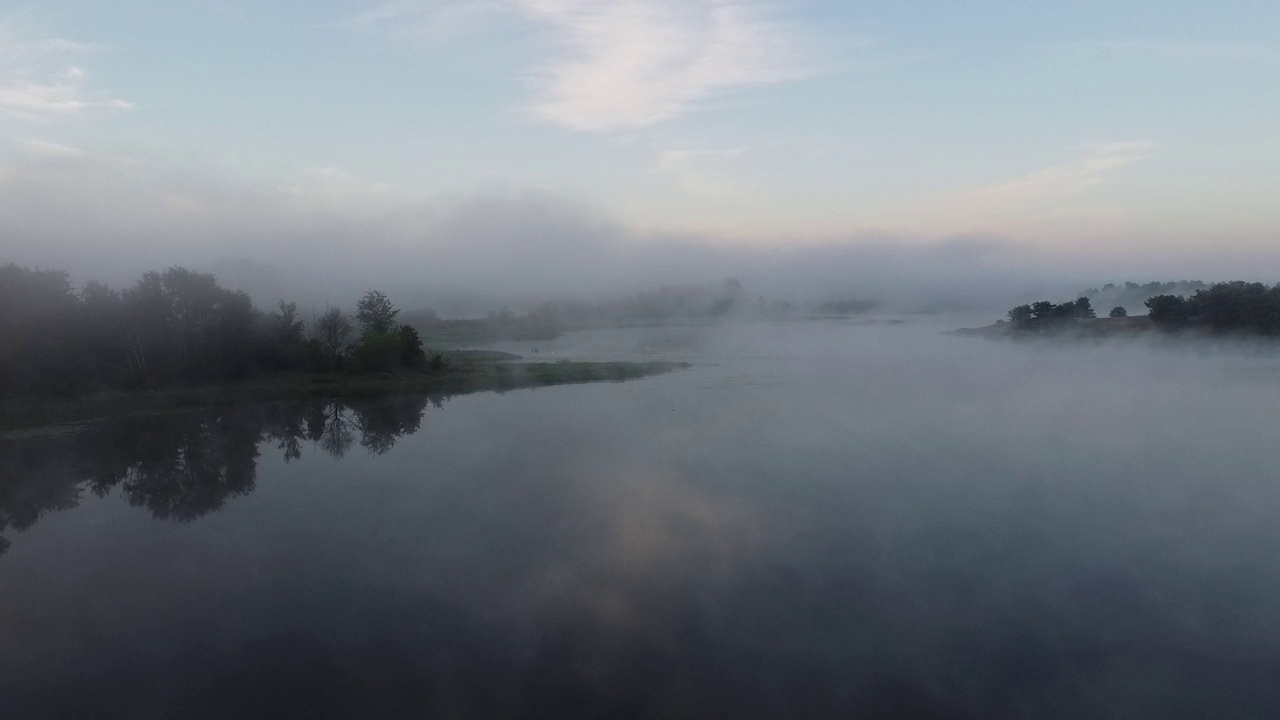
column 820, row 520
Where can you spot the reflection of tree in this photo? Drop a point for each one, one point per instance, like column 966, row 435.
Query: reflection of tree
column 382, row 423
column 196, row 469
column 184, row 466
column 35, row 479
column 338, row 432
column 333, row 425
column 287, row 429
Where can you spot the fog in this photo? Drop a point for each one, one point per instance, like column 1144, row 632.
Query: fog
column 649, row 359
column 112, row 218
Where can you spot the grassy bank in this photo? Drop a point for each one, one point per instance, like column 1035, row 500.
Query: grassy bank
column 483, row 331
column 459, row 378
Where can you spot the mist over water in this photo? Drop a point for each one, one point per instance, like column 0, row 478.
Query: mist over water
column 734, row 431
column 819, row 519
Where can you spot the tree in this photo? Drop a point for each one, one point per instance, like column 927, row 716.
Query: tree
column 1168, row 311
column 334, row 329
column 411, row 353
column 376, row 351
column 283, row 344
column 1118, row 311
column 1043, row 310
column 288, row 328
column 180, row 324
column 375, row 312
column 1233, row 307
column 1045, row 316
column 38, row 330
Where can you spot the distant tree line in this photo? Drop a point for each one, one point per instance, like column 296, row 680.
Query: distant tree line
column 1230, row 307
column 1045, row 315
column 687, row 304
column 178, row 327
column 1223, row 308
column 671, row 304
column 1133, row 295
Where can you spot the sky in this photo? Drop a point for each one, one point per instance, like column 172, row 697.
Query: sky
column 451, row 137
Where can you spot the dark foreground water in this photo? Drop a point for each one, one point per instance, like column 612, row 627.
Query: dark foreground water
column 834, row 520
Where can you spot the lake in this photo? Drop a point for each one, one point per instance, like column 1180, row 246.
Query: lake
column 819, row 519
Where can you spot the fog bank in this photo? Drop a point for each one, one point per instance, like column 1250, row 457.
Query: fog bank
column 111, row 218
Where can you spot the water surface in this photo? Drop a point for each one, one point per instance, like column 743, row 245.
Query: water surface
column 825, row 519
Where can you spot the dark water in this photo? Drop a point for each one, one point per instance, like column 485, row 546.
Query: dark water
column 830, row 521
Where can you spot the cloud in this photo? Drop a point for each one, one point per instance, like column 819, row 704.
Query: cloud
column 1069, row 178
column 38, row 81
column 627, row 63
column 622, row 64
column 1047, row 196
column 57, row 155
column 41, row 148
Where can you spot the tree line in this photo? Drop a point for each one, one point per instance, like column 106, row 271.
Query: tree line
column 1044, row 315
column 1236, row 307
column 1226, row 308
column 179, row 327
column 1133, row 295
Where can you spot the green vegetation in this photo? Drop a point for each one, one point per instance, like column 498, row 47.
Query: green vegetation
column 1045, row 316
column 464, row 372
column 1132, row 295
column 678, row 305
column 1229, row 308
column 177, row 328
column 499, row 327
column 1239, row 308
column 182, row 340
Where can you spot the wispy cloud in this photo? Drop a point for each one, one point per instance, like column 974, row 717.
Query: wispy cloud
column 40, row 82
column 1047, row 197
column 52, row 151
column 1069, row 178
column 631, row 63
column 55, row 162
column 623, row 64
column 51, row 156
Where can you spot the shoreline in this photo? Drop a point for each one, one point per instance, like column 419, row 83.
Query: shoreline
column 24, row 414
column 1087, row 328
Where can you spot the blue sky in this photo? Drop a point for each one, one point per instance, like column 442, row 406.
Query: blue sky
column 1084, row 127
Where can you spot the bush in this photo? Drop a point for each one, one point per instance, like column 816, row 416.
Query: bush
column 437, row 362
column 377, row 352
